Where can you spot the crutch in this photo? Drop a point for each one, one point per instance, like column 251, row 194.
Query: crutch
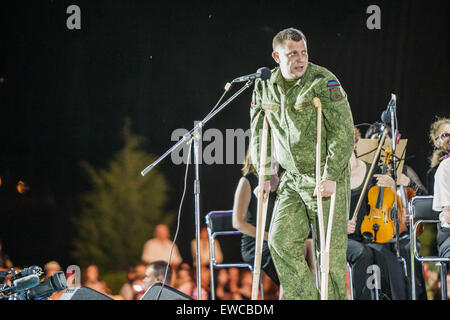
column 262, row 212
column 323, row 238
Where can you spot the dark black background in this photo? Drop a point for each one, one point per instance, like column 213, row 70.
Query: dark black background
column 66, row 93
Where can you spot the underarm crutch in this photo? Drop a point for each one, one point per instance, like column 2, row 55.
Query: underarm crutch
column 323, row 238
column 262, row 212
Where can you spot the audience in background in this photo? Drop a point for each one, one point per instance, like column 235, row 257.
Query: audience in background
column 182, row 276
column 231, row 284
column 90, row 279
column 222, row 285
column 204, row 249
column 158, row 248
column 51, row 268
column 245, row 288
column 138, row 283
column 190, row 287
column 158, row 271
column 233, row 276
column 140, row 271
column 271, row 291
column 126, row 291
column 5, row 262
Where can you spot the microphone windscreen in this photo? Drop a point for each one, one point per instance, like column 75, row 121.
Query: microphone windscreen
column 264, row 72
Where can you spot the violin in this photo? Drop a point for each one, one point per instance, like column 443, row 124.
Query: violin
column 379, row 226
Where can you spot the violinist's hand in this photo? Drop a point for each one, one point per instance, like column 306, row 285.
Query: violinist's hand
column 404, row 180
column 327, row 188
column 351, row 227
column 383, row 180
column 405, row 213
column 266, row 190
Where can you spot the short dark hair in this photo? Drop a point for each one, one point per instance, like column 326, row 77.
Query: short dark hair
column 159, row 270
column 287, row 34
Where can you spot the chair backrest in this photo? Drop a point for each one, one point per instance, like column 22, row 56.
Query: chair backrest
column 421, row 207
column 220, row 221
column 220, row 227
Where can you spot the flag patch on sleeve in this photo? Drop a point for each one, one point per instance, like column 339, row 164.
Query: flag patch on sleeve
column 333, row 83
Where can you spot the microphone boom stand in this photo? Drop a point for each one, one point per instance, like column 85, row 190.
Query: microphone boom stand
column 194, row 135
column 394, row 130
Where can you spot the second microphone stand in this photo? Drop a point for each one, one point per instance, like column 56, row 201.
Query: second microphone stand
column 394, row 131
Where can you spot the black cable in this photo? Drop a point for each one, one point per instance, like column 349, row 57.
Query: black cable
column 178, row 223
column 226, row 89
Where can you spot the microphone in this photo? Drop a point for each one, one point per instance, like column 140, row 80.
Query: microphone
column 386, row 115
column 262, row 73
column 22, row 284
column 56, row 282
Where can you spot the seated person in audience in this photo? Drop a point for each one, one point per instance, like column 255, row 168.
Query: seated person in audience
column 189, row 286
column 126, row 291
column 246, row 282
column 204, row 249
column 158, row 248
column 157, row 271
column 91, row 279
column 183, row 275
column 222, row 285
column 51, row 268
column 5, row 261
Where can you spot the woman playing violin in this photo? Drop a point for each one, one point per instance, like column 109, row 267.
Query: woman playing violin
column 361, row 254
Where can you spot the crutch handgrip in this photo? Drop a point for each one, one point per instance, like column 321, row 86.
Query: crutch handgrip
column 317, row 103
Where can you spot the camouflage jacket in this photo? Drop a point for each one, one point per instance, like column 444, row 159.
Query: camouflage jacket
column 292, row 119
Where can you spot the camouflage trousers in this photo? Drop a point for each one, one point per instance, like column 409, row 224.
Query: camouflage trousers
column 295, row 210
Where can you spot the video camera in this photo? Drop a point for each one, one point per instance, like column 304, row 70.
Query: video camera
column 26, row 284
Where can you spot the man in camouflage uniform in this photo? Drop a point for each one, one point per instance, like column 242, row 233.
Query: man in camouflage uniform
column 286, row 100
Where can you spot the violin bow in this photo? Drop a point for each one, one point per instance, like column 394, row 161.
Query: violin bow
column 369, row 176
